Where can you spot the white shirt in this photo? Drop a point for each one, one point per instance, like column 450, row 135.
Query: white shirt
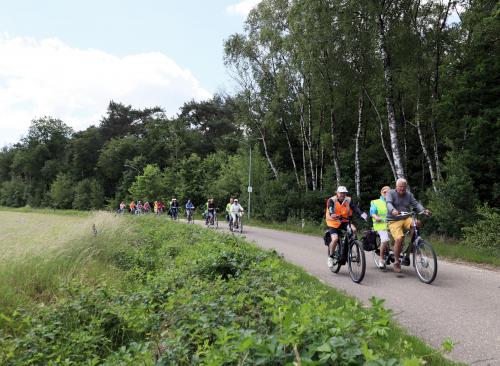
column 236, row 207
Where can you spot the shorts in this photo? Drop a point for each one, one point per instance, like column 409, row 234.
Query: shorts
column 383, row 235
column 338, row 230
column 396, row 227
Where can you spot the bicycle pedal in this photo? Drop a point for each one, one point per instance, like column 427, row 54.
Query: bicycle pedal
column 405, row 261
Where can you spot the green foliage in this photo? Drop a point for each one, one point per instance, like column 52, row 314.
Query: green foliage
column 13, row 193
column 148, row 186
column 62, row 192
column 88, row 194
column 191, row 296
column 484, row 233
column 453, row 204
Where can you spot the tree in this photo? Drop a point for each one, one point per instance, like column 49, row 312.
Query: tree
column 62, row 192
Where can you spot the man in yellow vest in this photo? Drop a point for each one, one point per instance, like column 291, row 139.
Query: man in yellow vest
column 339, row 209
column 378, row 212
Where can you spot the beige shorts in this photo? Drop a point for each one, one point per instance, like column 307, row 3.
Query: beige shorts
column 397, row 227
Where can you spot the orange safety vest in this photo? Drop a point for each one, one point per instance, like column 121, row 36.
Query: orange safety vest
column 341, row 209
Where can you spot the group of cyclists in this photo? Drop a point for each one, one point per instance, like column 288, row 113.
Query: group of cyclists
column 388, row 214
column 234, row 210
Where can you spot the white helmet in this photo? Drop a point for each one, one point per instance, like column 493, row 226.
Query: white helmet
column 342, row 189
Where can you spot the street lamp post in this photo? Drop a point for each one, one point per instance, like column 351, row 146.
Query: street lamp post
column 249, row 177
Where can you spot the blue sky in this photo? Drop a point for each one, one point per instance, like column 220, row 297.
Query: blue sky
column 67, row 58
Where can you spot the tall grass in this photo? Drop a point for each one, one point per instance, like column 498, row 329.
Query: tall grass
column 77, row 251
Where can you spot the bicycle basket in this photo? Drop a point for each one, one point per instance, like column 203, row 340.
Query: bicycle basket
column 369, row 240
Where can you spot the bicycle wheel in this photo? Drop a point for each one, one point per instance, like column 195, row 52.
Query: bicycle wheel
column 216, row 222
column 356, row 261
column 425, row 261
column 336, row 259
column 241, row 225
column 230, row 225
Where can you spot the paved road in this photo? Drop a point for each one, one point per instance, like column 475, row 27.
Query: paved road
column 462, row 303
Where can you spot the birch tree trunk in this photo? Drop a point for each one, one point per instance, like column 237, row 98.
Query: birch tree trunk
column 334, row 146
column 309, row 142
column 357, row 173
column 422, row 144
column 290, row 149
column 266, row 152
column 302, row 132
column 387, row 154
column 389, row 98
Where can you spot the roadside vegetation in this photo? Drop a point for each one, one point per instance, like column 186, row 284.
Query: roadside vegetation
column 140, row 291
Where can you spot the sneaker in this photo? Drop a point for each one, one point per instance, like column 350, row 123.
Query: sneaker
column 330, row 262
column 397, row 267
column 406, row 261
column 381, row 264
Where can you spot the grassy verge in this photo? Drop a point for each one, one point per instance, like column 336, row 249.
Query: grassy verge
column 49, row 211
column 445, row 248
column 143, row 291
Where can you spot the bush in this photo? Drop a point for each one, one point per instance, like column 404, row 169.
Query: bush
column 452, row 204
column 484, row 233
column 13, row 193
column 62, row 192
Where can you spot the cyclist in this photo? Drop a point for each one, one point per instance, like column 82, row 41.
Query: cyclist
column 174, row 208
column 131, row 207
column 209, row 210
column 189, row 207
column 400, row 200
column 147, row 207
column 228, row 209
column 338, row 209
column 138, row 209
column 378, row 212
column 122, row 207
column 236, row 208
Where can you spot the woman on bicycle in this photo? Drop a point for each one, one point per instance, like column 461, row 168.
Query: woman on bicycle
column 399, row 200
column 378, row 212
column 339, row 209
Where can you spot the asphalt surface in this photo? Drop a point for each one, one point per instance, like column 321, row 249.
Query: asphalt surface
column 463, row 302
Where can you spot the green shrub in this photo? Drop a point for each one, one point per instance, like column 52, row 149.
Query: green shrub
column 484, row 233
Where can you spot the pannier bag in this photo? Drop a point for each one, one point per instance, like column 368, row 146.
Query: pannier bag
column 369, row 240
column 327, row 238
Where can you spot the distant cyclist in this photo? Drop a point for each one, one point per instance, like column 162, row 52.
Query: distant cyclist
column 339, row 209
column 378, row 212
column 209, row 210
column 174, row 208
column 400, row 200
column 228, row 209
column 236, row 208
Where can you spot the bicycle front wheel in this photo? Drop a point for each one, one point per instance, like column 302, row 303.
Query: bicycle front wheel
column 241, row 226
column 336, row 259
column 425, row 261
column 356, row 261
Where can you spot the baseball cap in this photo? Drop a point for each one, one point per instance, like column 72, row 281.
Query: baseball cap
column 342, row 189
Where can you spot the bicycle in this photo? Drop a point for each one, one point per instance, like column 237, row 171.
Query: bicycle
column 424, row 256
column 212, row 220
column 174, row 213
column 238, row 224
column 349, row 250
column 190, row 216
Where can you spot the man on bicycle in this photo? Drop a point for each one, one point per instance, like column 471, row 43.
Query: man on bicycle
column 400, row 200
column 378, row 212
column 236, row 208
column 339, row 209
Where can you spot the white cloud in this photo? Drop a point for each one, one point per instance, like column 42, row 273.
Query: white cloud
column 49, row 78
column 242, row 8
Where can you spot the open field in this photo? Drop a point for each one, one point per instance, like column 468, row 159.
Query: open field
column 34, row 233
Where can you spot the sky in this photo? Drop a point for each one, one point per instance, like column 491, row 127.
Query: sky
column 68, row 59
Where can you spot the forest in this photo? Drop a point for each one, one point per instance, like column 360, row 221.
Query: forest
column 330, row 92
